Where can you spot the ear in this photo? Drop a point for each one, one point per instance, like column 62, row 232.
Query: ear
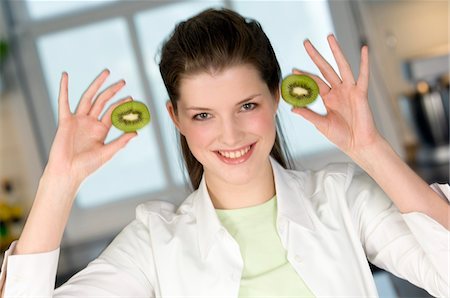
column 277, row 96
column 173, row 115
column 276, row 99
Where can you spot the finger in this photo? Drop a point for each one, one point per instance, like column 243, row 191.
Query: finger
column 63, row 98
column 344, row 68
column 323, row 87
column 110, row 149
column 106, row 119
column 103, row 98
column 325, row 68
column 86, row 100
column 363, row 78
column 319, row 121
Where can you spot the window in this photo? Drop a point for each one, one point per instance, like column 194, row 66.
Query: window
column 83, row 52
column 83, row 38
column 287, row 38
column 38, row 9
column 164, row 19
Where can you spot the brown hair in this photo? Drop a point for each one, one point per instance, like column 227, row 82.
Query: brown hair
column 213, row 40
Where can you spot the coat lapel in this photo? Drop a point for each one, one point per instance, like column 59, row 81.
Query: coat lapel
column 195, row 256
column 192, row 257
column 318, row 244
column 208, row 224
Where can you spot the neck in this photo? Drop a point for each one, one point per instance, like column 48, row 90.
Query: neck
column 226, row 195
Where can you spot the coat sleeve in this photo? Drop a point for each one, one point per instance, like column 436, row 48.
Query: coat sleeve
column 123, row 270
column 411, row 246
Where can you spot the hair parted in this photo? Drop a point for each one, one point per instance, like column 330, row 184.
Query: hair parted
column 212, row 41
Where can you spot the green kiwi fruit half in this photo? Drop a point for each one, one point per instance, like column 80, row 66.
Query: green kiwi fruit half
column 299, row 90
column 130, row 116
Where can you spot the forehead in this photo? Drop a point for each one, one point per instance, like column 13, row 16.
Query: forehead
column 231, row 84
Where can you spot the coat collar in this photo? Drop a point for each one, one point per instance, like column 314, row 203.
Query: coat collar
column 292, row 196
column 291, row 200
column 208, row 223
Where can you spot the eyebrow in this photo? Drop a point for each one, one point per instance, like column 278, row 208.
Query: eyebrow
column 239, row 103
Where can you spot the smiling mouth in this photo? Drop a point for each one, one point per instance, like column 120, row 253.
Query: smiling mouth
column 235, row 156
column 236, row 153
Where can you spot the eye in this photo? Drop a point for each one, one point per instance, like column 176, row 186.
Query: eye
column 248, row 106
column 201, row 116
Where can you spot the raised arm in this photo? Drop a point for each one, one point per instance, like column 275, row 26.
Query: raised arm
column 349, row 125
column 77, row 151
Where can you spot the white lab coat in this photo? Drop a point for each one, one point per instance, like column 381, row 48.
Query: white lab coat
column 328, row 221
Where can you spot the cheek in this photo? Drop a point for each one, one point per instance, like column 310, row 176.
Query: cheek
column 262, row 123
column 198, row 135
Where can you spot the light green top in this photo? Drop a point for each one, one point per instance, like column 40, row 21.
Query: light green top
column 267, row 272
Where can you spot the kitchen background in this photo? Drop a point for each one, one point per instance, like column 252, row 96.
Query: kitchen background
column 409, row 52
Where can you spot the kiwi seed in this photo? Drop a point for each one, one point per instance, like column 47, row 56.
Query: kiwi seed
column 130, row 116
column 299, row 90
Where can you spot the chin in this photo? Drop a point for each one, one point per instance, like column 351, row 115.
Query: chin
column 241, row 174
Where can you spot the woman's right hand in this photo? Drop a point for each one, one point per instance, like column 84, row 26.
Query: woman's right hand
column 79, row 146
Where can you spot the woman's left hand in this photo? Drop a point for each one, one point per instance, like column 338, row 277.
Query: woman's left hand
column 348, row 123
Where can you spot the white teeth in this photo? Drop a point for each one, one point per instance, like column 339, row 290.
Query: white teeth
column 234, row 154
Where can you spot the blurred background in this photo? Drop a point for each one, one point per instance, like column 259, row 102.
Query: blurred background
column 409, row 96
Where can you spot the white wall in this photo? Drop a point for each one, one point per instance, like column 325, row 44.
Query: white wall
column 402, row 30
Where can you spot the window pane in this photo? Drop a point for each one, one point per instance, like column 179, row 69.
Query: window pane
column 300, row 21
column 46, row 8
column 83, row 52
column 153, row 27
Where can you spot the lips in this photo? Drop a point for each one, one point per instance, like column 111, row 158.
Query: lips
column 235, row 156
column 235, row 153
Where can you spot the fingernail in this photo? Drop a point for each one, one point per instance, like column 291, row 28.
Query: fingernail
column 106, row 70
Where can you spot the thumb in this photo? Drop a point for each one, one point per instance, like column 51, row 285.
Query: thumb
column 319, row 121
column 110, row 149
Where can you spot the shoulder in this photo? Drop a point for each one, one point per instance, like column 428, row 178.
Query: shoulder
column 163, row 210
column 348, row 177
column 149, row 215
column 340, row 175
column 348, row 182
column 336, row 181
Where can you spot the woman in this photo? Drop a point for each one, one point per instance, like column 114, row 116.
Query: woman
column 251, row 227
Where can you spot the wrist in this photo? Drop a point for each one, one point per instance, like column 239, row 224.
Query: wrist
column 373, row 155
column 63, row 187
column 48, row 216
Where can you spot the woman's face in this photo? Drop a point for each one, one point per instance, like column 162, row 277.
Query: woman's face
column 228, row 119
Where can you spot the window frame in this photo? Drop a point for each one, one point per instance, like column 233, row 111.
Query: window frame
column 26, row 32
column 82, row 220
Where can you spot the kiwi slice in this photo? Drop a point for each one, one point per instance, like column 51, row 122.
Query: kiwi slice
column 130, row 116
column 299, row 90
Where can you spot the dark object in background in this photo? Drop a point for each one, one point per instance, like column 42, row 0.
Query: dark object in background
column 429, row 107
column 426, row 110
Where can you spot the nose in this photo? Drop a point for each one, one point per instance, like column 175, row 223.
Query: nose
column 231, row 132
